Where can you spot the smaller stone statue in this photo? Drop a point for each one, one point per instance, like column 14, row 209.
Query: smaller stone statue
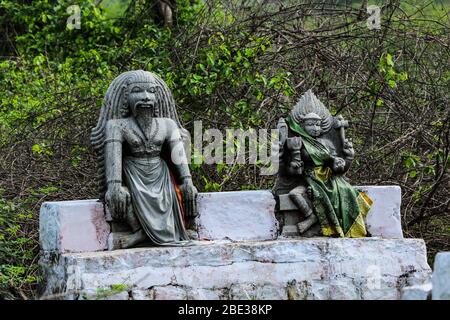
column 143, row 170
column 314, row 156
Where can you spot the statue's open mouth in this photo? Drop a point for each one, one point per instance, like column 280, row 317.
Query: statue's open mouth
column 146, row 105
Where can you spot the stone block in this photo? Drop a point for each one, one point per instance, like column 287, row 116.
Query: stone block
column 417, row 292
column 237, row 215
column 383, row 219
column 441, row 276
column 73, row 226
column 205, row 294
column 168, row 292
column 250, row 291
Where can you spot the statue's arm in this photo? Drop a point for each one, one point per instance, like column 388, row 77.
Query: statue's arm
column 113, row 153
column 343, row 164
column 117, row 198
column 177, row 153
column 289, row 150
column 179, row 160
column 283, row 135
column 293, row 146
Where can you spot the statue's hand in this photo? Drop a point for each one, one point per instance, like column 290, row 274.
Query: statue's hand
column 189, row 192
column 294, row 143
column 117, row 199
column 310, row 192
column 338, row 164
column 348, row 150
column 296, row 167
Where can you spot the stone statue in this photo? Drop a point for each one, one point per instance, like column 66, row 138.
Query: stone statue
column 314, row 156
column 143, row 173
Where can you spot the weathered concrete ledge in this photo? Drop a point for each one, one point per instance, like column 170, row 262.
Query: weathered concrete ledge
column 437, row 287
column 80, row 225
column 315, row 268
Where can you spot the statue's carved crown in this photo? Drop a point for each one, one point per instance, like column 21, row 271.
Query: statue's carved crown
column 311, row 116
column 310, row 104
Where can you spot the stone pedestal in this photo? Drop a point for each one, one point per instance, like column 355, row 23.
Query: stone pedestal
column 383, row 219
column 441, row 276
column 437, row 286
column 241, row 255
column 318, row 268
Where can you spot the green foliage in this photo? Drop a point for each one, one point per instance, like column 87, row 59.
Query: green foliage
column 115, row 8
column 386, row 68
column 103, row 293
column 388, row 77
column 18, row 266
column 228, row 61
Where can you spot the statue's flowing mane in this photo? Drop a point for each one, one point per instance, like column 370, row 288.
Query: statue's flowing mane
column 309, row 103
column 115, row 106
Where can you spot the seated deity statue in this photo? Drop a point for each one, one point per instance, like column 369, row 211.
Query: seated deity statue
column 143, row 170
column 314, row 156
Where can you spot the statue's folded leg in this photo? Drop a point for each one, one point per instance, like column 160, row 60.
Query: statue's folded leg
column 123, row 240
column 299, row 196
column 307, row 223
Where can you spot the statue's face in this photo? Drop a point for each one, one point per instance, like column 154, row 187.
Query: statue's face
column 142, row 97
column 313, row 127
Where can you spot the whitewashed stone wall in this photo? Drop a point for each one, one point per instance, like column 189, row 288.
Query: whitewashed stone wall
column 319, row 268
column 243, row 260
